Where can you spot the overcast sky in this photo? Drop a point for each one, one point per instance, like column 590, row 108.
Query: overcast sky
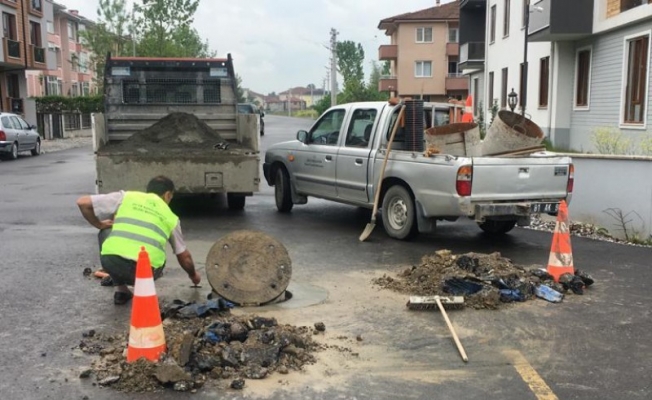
column 277, row 44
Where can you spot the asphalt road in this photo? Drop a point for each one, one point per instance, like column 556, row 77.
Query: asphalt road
column 595, row 346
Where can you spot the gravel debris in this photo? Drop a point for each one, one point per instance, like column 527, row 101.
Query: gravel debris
column 579, row 229
column 54, row 145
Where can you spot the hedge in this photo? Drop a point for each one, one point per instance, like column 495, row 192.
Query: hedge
column 63, row 104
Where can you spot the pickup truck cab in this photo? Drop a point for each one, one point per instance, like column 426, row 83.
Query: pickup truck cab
column 341, row 156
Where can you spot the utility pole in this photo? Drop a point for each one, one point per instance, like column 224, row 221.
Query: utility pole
column 525, row 63
column 333, row 72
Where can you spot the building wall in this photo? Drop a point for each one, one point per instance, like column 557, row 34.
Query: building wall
column 607, row 15
column 606, row 89
column 409, row 52
column 507, row 52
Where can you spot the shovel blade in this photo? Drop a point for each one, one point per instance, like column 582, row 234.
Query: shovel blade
column 367, row 231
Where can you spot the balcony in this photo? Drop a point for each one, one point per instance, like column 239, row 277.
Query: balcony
column 560, row 20
column 452, row 49
column 456, row 81
column 12, row 49
column 472, row 55
column 15, row 105
column 388, row 52
column 39, row 54
column 388, row 84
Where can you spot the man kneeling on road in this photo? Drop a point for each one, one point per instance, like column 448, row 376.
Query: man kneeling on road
column 129, row 220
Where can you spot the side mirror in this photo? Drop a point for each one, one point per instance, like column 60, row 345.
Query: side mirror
column 302, row 136
column 33, row 127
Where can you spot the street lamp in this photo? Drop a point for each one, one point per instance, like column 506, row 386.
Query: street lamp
column 512, row 99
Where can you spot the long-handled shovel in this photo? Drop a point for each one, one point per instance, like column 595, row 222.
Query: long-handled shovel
column 371, row 225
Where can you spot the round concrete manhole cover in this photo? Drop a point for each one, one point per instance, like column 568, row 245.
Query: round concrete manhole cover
column 248, row 268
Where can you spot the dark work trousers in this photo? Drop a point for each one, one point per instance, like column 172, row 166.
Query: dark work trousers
column 121, row 270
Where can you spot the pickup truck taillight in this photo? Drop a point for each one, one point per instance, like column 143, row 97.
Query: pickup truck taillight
column 464, row 182
column 571, row 178
column 3, row 137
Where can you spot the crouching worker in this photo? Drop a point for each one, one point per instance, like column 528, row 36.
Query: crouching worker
column 129, row 220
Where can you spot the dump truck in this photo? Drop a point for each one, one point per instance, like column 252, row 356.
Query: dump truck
column 178, row 118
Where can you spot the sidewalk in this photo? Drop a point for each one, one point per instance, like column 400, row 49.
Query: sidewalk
column 49, row 146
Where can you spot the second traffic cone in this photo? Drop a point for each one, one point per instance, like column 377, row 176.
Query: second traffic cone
column 146, row 336
column 468, row 110
column 561, row 255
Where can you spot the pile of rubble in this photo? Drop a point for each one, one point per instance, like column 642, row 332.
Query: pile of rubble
column 205, row 343
column 485, row 280
column 579, row 229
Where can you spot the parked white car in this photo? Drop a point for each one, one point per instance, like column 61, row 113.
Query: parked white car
column 16, row 136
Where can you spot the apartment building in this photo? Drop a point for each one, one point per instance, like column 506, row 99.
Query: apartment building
column 71, row 74
column 24, row 31
column 588, row 64
column 424, row 54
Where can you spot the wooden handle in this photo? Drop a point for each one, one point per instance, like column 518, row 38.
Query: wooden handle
column 450, row 327
column 382, row 170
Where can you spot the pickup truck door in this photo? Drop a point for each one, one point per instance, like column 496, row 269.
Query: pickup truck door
column 353, row 156
column 315, row 160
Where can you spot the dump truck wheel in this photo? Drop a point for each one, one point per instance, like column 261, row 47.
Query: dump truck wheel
column 399, row 213
column 235, row 201
column 248, row 268
column 497, row 227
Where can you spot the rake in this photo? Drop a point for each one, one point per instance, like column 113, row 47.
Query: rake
column 441, row 302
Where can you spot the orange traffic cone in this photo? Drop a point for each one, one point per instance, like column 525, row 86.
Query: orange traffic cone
column 561, row 255
column 146, row 336
column 468, row 110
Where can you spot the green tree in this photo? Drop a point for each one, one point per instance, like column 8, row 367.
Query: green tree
column 239, row 90
column 350, row 61
column 108, row 34
column 373, row 94
column 166, row 31
column 387, row 68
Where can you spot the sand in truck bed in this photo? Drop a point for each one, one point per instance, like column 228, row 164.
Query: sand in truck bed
column 177, row 132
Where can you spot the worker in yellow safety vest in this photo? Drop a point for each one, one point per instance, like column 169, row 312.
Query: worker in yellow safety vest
column 129, row 220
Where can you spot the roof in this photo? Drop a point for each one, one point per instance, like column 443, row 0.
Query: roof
column 444, row 12
column 303, row 91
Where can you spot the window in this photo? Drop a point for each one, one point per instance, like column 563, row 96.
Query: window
column 492, row 32
column 72, row 31
column 506, row 18
column 490, row 98
column 83, row 63
column 423, row 69
column 360, row 128
column 57, row 51
column 582, row 78
column 453, row 69
column 52, row 86
column 327, row 130
column 9, row 26
column 637, row 63
column 86, row 89
column 74, row 89
column 74, row 62
column 503, row 89
column 626, row 5
column 23, row 125
column 453, row 34
column 13, row 86
column 36, row 5
column 50, row 27
column 544, row 81
column 35, row 34
column 424, row 35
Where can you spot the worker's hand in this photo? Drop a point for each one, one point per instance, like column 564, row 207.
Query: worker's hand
column 106, row 224
column 196, row 278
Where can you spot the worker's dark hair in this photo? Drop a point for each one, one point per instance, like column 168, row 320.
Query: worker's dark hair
column 159, row 185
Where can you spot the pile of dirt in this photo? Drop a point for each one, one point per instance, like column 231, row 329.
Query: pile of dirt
column 486, row 281
column 222, row 348
column 177, row 130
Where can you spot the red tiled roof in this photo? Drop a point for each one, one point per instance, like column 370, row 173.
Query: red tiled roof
column 448, row 11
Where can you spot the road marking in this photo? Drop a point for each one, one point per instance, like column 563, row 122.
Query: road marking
column 537, row 385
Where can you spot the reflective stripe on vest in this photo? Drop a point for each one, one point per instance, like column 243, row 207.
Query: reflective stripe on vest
column 143, row 219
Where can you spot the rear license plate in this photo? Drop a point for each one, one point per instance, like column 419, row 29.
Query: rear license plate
column 538, row 208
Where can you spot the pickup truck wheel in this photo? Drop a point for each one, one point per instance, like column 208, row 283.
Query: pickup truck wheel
column 235, row 201
column 282, row 193
column 399, row 216
column 497, row 227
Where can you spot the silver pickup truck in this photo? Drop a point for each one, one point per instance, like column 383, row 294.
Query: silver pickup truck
column 341, row 156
